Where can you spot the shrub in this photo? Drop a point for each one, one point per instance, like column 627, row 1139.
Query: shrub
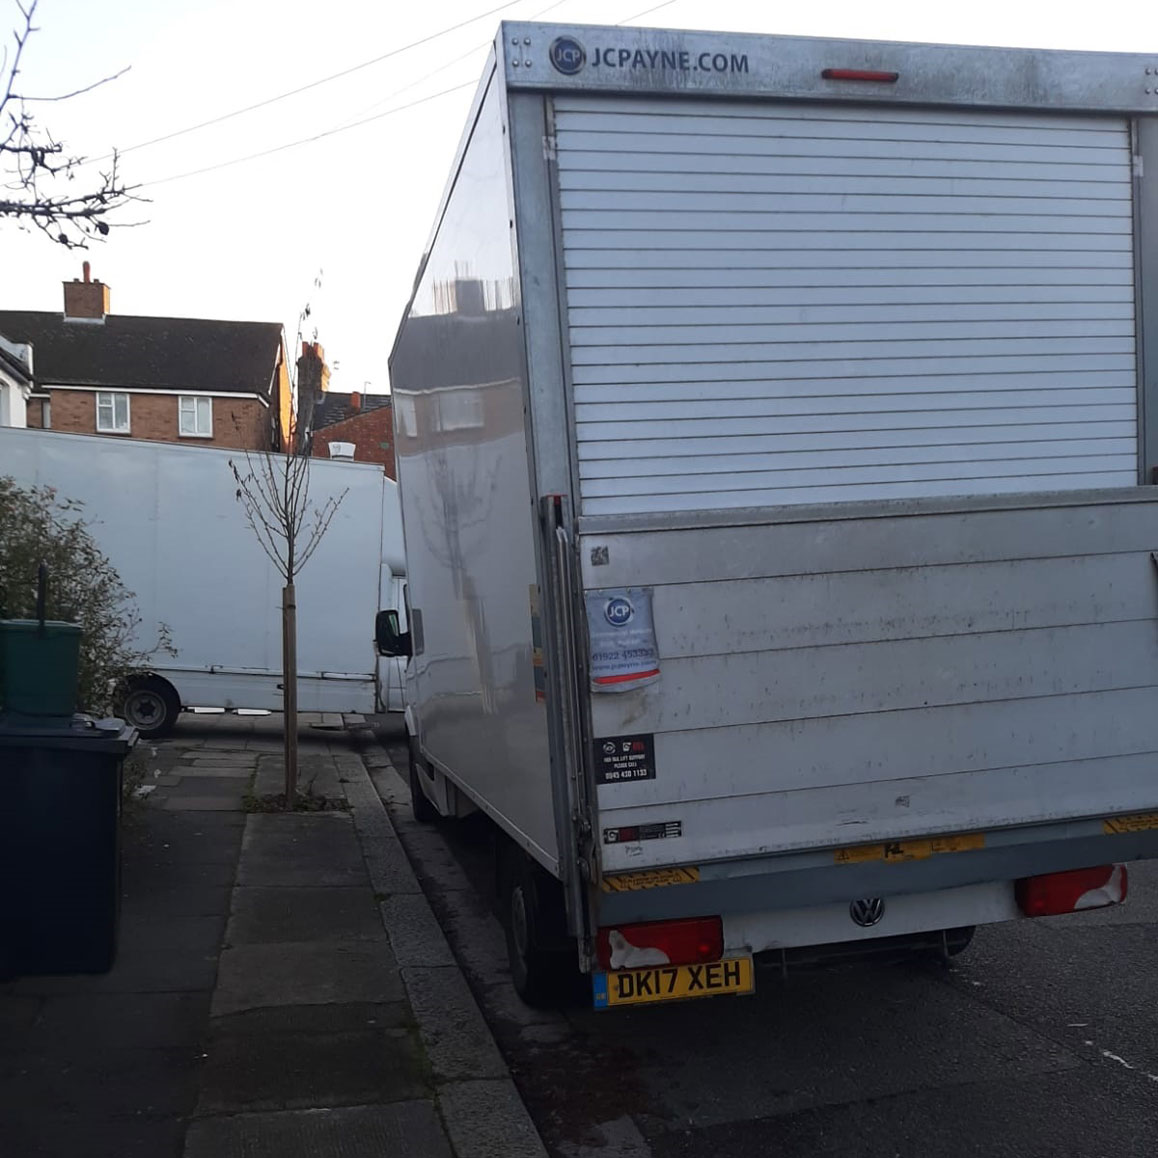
column 83, row 588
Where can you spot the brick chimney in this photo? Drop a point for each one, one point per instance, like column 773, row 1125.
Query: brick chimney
column 86, row 299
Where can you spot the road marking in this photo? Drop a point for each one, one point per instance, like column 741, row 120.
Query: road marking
column 1110, row 1056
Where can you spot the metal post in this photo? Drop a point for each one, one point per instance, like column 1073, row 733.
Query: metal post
column 289, row 652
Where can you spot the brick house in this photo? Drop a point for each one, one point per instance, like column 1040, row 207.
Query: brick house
column 190, row 380
column 365, row 420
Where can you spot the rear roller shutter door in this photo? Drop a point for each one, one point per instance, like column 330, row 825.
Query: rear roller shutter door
column 772, row 303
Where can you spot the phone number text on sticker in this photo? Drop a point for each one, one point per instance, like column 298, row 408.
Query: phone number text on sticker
column 733, row 975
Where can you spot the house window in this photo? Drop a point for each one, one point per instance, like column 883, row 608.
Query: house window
column 407, row 416
column 196, row 416
column 459, row 410
column 112, row 413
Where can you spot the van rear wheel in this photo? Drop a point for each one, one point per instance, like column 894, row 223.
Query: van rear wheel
column 543, row 966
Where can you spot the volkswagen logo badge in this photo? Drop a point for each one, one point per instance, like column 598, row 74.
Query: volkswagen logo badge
column 567, row 55
column 867, row 911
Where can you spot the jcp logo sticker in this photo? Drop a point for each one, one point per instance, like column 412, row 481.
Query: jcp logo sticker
column 567, row 55
column 618, row 612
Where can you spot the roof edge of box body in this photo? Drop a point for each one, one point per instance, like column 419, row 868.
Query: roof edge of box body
column 650, row 61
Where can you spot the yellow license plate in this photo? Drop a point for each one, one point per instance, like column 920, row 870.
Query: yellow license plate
column 673, row 982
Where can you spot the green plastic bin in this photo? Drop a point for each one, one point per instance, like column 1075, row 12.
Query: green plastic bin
column 38, row 667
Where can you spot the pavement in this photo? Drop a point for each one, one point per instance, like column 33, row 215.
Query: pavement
column 282, row 987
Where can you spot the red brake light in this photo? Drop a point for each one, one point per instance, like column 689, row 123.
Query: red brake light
column 684, row 942
column 860, row 74
column 1071, row 892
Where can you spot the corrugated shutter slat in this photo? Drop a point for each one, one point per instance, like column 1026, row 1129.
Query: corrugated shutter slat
column 772, row 303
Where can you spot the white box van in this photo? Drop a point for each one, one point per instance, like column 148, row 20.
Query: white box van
column 777, row 422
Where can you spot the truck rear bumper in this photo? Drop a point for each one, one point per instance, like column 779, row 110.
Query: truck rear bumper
column 817, row 879
column 894, row 917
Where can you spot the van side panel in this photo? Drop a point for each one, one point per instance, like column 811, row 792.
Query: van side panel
column 457, row 375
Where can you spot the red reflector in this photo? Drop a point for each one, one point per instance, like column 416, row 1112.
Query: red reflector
column 1070, row 892
column 860, row 74
column 683, row 942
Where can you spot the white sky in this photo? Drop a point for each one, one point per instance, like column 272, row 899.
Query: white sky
column 247, row 241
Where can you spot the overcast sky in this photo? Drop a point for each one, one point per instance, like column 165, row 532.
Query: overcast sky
column 247, row 240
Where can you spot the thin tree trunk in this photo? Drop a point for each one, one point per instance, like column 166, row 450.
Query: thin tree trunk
column 289, row 653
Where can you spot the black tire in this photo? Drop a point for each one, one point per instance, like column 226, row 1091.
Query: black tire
column 151, row 705
column 951, row 943
column 958, row 940
column 424, row 811
column 532, row 913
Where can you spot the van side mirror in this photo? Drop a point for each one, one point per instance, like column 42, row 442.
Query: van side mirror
column 389, row 636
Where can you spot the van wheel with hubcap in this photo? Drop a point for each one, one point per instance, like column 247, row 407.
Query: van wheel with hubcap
column 420, row 805
column 151, row 705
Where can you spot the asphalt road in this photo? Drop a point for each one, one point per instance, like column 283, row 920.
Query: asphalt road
column 1041, row 1039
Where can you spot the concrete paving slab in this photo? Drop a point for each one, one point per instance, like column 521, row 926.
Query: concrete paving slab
column 188, row 937
column 339, row 1017
column 109, row 1084
column 286, row 1071
column 18, row 1018
column 200, row 901
column 196, row 785
column 222, row 757
column 301, row 849
column 53, row 1138
column 201, row 803
column 457, row 1040
column 487, row 1119
column 170, row 879
column 400, row 1130
column 205, row 840
column 270, row 915
column 262, row 744
column 251, row 976
column 152, row 973
column 316, row 774
column 217, row 772
column 415, row 935
column 122, row 1020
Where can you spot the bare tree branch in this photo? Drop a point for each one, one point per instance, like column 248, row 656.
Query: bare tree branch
column 32, row 161
column 273, row 491
column 67, row 96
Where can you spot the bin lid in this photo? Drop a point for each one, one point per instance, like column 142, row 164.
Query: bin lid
column 31, row 626
column 83, row 732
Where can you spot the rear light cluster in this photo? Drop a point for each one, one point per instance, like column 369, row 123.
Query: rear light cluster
column 1071, row 892
column 685, row 942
